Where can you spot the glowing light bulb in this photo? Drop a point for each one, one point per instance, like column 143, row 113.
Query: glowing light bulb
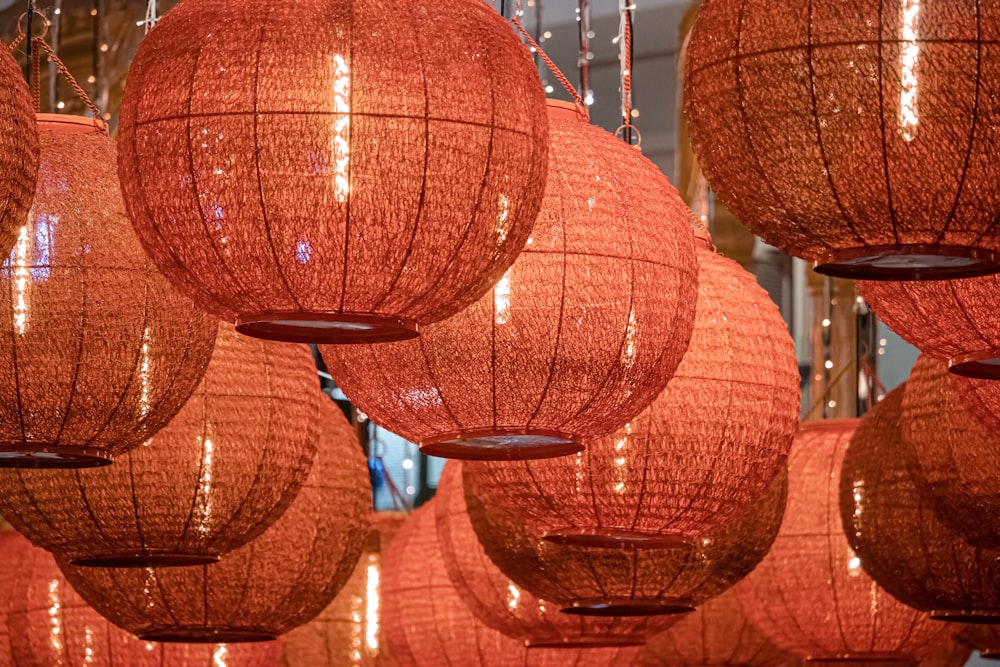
column 909, row 83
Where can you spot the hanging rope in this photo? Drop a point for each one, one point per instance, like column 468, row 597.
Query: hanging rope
column 566, row 83
column 624, row 40
column 31, row 15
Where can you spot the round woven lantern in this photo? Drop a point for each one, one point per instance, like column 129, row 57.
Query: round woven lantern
column 895, row 532
column 627, row 582
column 333, row 170
column 810, row 594
column 954, row 320
column 501, row 604
column 705, row 449
column 578, row 336
column 18, row 150
column 350, row 630
column 281, row 580
column 217, row 476
column 859, row 139
column 52, row 625
column 100, row 351
column 958, row 456
column 718, row 634
column 427, row 623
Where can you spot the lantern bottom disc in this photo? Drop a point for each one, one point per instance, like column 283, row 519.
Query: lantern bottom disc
column 872, row 659
column 616, row 539
column 501, row 444
column 980, row 616
column 199, row 634
column 629, row 607
column 21, row 455
column 989, row 653
column 978, row 365
column 336, row 328
column 909, row 262
column 145, row 559
column 586, row 641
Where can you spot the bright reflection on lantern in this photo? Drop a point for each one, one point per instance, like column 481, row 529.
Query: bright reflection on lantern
column 908, row 118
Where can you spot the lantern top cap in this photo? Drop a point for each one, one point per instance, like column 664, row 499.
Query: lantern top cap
column 828, row 425
column 67, row 124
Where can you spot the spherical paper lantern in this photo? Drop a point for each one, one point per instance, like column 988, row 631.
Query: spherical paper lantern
column 857, row 138
column 350, row 629
column 333, row 170
column 100, row 352
column 216, row 477
column 578, row 336
column 955, row 320
column 705, row 449
column 279, row 581
column 810, row 594
column 958, row 456
column 718, row 634
column 896, row 534
column 499, row 603
column 53, row 626
column 427, row 623
column 628, row 582
column 18, row 150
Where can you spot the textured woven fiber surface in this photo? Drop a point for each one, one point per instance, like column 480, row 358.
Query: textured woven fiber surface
column 958, row 455
column 705, row 450
column 981, row 398
column 580, row 334
column 18, row 150
column 810, row 595
column 427, row 623
column 279, row 581
column 948, row 654
column 382, row 158
column 852, row 124
column 658, row 578
column 955, row 320
column 350, row 630
column 895, row 532
column 718, row 634
column 52, row 626
column 501, row 604
column 100, row 352
column 216, row 477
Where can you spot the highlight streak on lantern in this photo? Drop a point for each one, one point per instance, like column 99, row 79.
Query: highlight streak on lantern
column 204, row 497
column 220, row 655
column 55, row 629
column 908, row 118
column 342, row 127
column 144, row 375
column 501, row 299
column 373, row 611
column 21, row 275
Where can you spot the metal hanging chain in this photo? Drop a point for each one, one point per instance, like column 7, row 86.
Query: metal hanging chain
column 583, row 18
column 625, row 53
column 31, row 14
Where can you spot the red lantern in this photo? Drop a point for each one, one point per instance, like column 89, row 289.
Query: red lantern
column 18, row 150
column 958, row 456
column 896, row 534
column 705, row 449
column 503, row 605
column 718, row 634
column 333, row 170
column 51, row 625
column 857, row 137
column 217, row 476
column 628, row 582
column 577, row 337
column 810, row 594
column 427, row 623
column 279, row 581
column 100, row 351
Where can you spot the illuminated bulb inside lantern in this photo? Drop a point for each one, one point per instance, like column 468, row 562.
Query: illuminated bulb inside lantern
column 204, row 499
column 147, row 587
column 372, row 604
column 88, row 646
column 908, row 118
column 579, row 472
column 513, row 596
column 621, row 460
column 220, row 655
column 503, row 220
column 356, row 628
column 55, row 622
column 853, row 563
column 341, row 127
column 144, row 376
column 21, row 276
column 629, row 351
column 501, row 299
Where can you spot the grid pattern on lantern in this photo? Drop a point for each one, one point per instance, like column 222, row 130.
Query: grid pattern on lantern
column 18, row 150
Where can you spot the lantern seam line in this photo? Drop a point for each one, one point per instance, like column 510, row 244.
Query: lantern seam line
column 881, row 120
column 972, row 130
column 79, row 361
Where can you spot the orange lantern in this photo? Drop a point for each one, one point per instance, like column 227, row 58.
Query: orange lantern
column 279, row 581
column 218, row 475
column 18, row 150
column 333, row 170
column 810, row 594
column 704, row 451
column 52, row 625
column 100, row 351
column 503, row 605
column 859, row 138
column 578, row 336
column 628, row 582
column 427, row 623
